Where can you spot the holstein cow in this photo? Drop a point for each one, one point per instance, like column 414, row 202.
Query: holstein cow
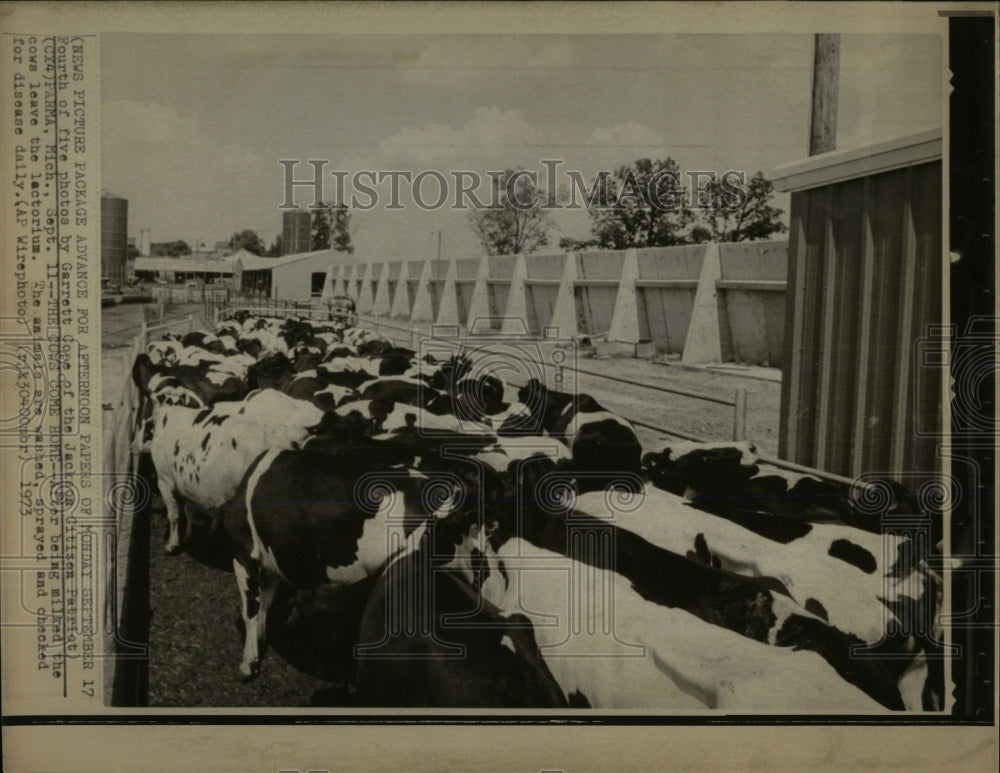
column 163, row 352
column 261, row 342
column 427, row 639
column 201, row 455
column 821, row 571
column 300, row 518
column 406, row 391
column 181, row 385
column 621, row 623
column 602, row 443
column 307, row 356
column 727, row 479
column 207, row 341
column 389, row 419
column 307, row 386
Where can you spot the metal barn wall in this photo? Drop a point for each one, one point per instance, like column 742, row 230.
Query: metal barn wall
column 865, row 279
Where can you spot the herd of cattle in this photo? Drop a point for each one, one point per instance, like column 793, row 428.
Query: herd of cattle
column 526, row 552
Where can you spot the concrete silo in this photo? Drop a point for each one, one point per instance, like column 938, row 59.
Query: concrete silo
column 114, row 235
column 296, row 226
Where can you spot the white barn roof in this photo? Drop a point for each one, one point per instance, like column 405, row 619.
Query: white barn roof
column 189, row 265
column 251, row 262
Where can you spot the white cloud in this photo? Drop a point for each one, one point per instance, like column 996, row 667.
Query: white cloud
column 451, row 61
column 489, row 137
column 178, row 175
column 626, row 135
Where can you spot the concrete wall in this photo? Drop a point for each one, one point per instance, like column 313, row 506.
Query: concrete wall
column 665, row 291
column 751, row 294
column 706, row 302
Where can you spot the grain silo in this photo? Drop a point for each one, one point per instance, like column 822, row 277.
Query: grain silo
column 114, row 235
column 296, row 225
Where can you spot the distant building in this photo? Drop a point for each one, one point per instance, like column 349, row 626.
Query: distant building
column 222, row 249
column 201, row 251
column 295, row 277
column 114, row 235
column 183, row 269
column 296, row 225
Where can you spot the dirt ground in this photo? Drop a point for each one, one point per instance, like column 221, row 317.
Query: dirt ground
column 195, row 630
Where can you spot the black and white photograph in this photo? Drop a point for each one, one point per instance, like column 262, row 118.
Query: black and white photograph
column 636, row 374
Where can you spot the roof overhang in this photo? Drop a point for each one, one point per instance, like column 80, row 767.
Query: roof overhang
column 842, row 165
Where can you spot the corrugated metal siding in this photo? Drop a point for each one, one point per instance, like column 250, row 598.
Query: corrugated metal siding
column 865, row 274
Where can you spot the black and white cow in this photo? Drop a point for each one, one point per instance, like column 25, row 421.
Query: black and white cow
column 602, row 443
column 427, row 639
column 201, row 455
column 211, row 382
column 622, row 623
column 727, row 479
column 181, row 385
column 613, row 549
column 853, row 580
column 300, row 518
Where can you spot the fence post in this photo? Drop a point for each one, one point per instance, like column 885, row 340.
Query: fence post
column 413, row 339
column 740, row 415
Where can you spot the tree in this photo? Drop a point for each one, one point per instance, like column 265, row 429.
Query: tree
column 642, row 205
column 169, row 249
column 274, row 251
column 576, row 245
column 725, row 216
column 247, row 240
column 517, row 223
column 331, row 227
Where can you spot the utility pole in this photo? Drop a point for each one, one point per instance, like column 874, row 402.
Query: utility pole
column 826, row 75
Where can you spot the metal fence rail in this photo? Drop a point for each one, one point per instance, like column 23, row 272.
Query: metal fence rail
column 300, row 308
column 738, row 402
column 128, row 582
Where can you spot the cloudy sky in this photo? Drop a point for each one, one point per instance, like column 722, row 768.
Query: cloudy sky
column 193, row 126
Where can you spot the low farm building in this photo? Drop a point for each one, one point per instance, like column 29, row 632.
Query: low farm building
column 297, row 277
